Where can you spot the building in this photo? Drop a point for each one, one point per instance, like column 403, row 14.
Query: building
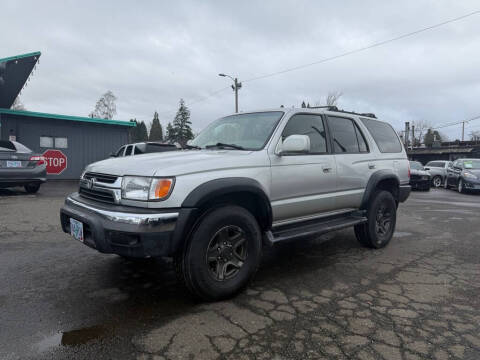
column 446, row 151
column 81, row 140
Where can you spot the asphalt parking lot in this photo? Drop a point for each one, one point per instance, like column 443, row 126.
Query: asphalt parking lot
column 419, row 298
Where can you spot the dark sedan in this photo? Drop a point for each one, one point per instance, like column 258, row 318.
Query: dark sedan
column 464, row 175
column 20, row 166
column 420, row 179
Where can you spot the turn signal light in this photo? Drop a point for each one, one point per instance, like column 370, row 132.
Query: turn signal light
column 162, row 188
column 39, row 159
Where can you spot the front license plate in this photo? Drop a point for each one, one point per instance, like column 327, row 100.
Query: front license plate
column 76, row 229
column 14, row 164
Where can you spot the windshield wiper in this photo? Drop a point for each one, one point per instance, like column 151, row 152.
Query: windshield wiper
column 186, row 146
column 223, row 145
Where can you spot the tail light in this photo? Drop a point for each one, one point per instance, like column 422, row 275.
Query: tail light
column 409, row 170
column 39, row 159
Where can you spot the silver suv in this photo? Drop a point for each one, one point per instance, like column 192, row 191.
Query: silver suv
column 247, row 180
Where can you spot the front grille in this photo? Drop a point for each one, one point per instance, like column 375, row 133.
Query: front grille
column 97, row 195
column 104, row 178
column 415, row 177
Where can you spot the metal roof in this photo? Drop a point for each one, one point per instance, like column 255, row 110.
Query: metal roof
column 66, row 117
column 441, row 151
column 14, row 73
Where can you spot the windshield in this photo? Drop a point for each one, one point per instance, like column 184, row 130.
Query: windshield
column 471, row 164
column 249, row 131
column 415, row 165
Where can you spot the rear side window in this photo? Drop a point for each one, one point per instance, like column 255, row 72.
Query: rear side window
column 347, row 137
column 438, row 164
column 384, row 135
column 310, row 125
column 7, row 146
column 128, row 152
column 137, row 151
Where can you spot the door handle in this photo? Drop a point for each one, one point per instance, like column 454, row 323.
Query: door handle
column 326, row 168
column 371, row 165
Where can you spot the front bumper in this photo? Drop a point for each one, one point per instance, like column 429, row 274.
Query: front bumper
column 471, row 184
column 126, row 231
column 421, row 183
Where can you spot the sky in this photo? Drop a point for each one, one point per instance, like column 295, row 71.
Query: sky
column 152, row 53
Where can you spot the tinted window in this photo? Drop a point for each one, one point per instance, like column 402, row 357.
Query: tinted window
column 310, row 125
column 435, row 164
column 416, row 165
column 7, row 146
column 346, row 136
column 120, row 151
column 137, row 151
column 384, row 135
column 128, row 152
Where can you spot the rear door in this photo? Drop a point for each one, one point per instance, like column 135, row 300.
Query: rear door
column 303, row 185
column 354, row 161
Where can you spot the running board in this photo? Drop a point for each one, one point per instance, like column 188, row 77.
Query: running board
column 317, row 228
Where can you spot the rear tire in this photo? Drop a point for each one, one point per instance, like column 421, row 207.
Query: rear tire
column 32, row 188
column 437, row 181
column 222, row 254
column 461, row 187
column 382, row 216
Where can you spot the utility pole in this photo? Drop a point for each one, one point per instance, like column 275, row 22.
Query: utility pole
column 407, row 133
column 236, row 85
column 413, row 136
column 463, row 130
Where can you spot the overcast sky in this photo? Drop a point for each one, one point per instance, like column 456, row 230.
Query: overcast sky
column 151, row 54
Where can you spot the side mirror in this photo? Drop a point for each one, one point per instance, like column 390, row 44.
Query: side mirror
column 295, row 144
column 112, row 155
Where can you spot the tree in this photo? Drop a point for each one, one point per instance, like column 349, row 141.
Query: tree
column 475, row 135
column 156, row 131
column 17, row 104
column 133, row 133
column 182, row 132
column 430, row 137
column 421, row 126
column 332, row 98
column 142, row 132
column 303, row 104
column 105, row 107
column 170, row 134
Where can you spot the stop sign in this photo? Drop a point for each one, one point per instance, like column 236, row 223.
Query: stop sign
column 56, row 161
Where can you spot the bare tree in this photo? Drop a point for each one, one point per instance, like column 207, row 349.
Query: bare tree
column 105, row 108
column 475, row 135
column 332, row 98
column 421, row 127
column 17, row 104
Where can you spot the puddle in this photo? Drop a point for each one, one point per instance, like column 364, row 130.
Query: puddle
column 398, row 234
column 72, row 337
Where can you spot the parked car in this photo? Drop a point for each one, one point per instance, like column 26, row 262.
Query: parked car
column 420, row 179
column 438, row 171
column 143, row 148
column 464, row 175
column 249, row 179
column 20, row 166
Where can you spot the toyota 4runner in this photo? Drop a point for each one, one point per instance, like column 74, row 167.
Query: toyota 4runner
column 247, row 180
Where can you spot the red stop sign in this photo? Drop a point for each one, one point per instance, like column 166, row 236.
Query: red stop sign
column 56, row 161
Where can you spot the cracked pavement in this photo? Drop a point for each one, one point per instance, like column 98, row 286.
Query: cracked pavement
column 322, row 298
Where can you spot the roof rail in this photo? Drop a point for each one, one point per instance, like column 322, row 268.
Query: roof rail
column 334, row 108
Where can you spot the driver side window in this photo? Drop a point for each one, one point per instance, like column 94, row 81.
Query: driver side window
column 310, row 125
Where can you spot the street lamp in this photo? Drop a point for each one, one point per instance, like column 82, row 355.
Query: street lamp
column 236, row 85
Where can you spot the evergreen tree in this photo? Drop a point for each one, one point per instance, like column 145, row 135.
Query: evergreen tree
column 133, row 133
column 181, row 125
column 156, row 131
column 303, row 104
column 170, row 134
column 142, row 132
column 308, row 105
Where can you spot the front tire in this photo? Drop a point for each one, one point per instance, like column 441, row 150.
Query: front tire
column 32, row 188
column 437, row 181
column 382, row 216
column 461, row 187
column 222, row 254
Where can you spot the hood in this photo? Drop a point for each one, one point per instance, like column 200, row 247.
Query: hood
column 419, row 172
column 475, row 172
column 175, row 163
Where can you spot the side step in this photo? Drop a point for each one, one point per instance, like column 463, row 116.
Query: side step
column 317, row 228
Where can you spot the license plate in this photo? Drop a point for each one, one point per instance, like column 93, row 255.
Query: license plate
column 76, row 229
column 14, row 164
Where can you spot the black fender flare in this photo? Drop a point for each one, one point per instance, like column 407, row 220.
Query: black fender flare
column 208, row 191
column 374, row 180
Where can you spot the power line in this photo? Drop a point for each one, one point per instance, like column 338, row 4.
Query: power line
column 456, row 123
column 376, row 44
column 351, row 52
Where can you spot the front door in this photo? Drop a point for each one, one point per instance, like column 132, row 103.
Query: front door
column 303, row 185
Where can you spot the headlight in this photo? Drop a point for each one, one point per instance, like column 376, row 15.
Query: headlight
column 425, row 177
column 83, row 174
column 469, row 175
column 146, row 188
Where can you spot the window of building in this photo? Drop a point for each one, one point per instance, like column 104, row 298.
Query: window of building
column 384, row 135
column 310, row 125
column 61, row 142
column 46, row 141
column 347, row 137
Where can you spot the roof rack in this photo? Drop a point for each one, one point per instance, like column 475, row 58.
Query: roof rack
column 334, row 108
